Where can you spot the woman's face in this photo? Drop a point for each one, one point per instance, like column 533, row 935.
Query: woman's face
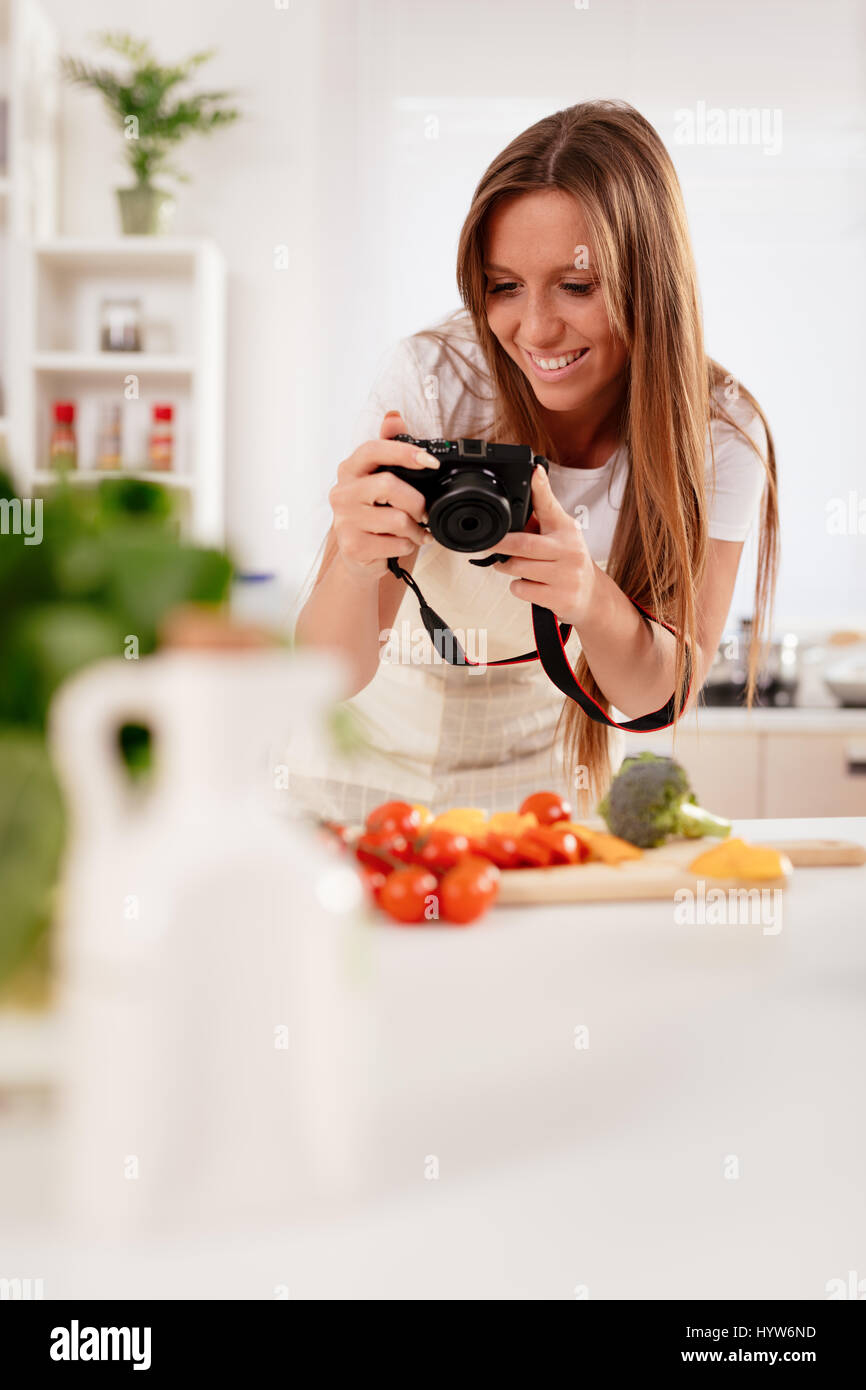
column 540, row 305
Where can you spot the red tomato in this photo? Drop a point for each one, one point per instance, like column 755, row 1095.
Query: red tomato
column 501, row 850
column 406, row 894
column 394, row 816
column 576, row 852
column 544, row 845
column 535, row 851
column 383, row 849
column 440, row 850
column 547, row 807
column 563, row 844
column 374, row 880
column 467, row 890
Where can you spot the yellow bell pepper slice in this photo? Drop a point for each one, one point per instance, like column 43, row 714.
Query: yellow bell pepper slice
column 463, row 820
column 738, row 859
column 511, row 822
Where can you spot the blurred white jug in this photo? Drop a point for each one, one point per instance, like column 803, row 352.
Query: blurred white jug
column 212, row 955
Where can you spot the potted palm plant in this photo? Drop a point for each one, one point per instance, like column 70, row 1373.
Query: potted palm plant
column 145, row 102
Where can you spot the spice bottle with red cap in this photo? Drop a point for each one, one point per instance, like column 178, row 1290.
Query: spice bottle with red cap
column 63, row 450
column 161, row 450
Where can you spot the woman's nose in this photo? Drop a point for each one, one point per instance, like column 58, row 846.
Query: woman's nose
column 540, row 326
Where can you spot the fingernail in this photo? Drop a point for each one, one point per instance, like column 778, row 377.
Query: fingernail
column 427, row 459
column 427, row 538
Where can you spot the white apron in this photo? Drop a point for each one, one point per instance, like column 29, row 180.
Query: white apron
column 446, row 735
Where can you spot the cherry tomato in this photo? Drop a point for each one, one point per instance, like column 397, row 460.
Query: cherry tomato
column 535, row 851
column 564, row 848
column 501, row 850
column 547, row 807
column 406, row 893
column 394, row 816
column 383, row 849
column 374, row 880
column 440, row 850
column 562, row 836
column 551, row 844
column 467, row 890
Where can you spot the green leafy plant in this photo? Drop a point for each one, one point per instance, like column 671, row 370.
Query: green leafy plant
column 145, row 103
column 109, row 567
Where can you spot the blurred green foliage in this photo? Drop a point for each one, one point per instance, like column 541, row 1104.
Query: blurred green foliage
column 156, row 97
column 110, row 564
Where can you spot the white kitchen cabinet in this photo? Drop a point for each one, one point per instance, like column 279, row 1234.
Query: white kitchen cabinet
column 771, row 762
column 814, row 775
column 724, row 768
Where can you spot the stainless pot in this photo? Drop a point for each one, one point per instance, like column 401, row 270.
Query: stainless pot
column 778, row 675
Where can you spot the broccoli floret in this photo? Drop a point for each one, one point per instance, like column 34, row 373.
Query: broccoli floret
column 650, row 799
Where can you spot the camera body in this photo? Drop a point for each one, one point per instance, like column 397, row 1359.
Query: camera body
column 479, row 492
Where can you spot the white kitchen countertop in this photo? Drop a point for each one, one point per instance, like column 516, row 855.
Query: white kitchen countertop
column 713, row 1050
column 806, row 720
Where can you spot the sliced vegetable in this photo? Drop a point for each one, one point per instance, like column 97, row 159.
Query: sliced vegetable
column 604, row 848
column 511, row 822
column 465, row 820
column 738, row 859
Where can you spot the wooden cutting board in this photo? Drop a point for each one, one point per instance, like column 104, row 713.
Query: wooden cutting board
column 660, row 872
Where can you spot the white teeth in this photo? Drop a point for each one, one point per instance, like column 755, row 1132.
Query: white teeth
column 550, row 364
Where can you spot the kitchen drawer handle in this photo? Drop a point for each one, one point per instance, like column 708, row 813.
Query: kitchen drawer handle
column 855, row 759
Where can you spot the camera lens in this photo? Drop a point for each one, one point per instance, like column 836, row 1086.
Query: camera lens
column 471, row 512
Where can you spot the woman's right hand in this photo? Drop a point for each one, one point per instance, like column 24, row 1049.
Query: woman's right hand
column 368, row 534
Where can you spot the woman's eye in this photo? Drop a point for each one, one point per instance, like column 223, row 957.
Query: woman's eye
column 579, row 288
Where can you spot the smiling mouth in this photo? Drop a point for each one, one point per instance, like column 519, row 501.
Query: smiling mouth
column 554, row 366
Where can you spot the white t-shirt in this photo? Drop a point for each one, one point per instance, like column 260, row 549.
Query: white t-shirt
column 418, row 378
column 483, row 736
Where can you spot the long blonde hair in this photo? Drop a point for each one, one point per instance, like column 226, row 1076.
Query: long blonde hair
column 611, row 159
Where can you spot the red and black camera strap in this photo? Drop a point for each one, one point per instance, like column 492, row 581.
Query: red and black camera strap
column 550, row 638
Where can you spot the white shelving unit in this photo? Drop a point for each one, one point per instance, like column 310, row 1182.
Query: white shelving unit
column 28, row 175
column 51, row 291
column 181, row 288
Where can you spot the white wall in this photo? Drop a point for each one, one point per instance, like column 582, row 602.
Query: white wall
column 334, row 159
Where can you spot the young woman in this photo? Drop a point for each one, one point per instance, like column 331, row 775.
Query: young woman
column 580, row 336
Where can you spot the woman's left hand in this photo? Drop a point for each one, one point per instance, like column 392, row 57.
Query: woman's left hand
column 552, row 568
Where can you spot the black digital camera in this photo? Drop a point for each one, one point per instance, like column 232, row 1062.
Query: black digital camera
column 478, row 493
